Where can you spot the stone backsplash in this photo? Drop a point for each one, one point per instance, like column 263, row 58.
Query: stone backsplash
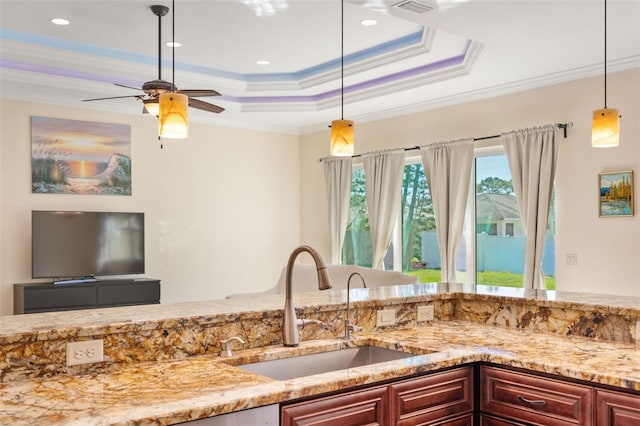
column 42, row 353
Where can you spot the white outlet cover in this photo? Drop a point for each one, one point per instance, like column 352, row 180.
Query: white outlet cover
column 87, row 352
column 425, row 313
column 385, row 317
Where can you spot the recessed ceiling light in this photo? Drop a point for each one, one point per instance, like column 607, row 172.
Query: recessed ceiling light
column 368, row 22
column 174, row 44
column 59, row 21
column 262, row 62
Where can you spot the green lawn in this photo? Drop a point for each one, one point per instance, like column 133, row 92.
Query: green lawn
column 505, row 279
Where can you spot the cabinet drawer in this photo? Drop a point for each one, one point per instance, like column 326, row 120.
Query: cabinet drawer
column 460, row 421
column 129, row 294
column 494, row 421
column 365, row 407
column 49, row 298
column 617, row 409
column 535, row 400
column 435, row 397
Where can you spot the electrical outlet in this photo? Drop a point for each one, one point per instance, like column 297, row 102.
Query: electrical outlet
column 385, row 317
column 571, row 259
column 86, row 352
column 425, row 313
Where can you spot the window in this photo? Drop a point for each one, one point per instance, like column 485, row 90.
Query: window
column 498, row 252
column 500, row 240
column 357, row 249
column 420, row 255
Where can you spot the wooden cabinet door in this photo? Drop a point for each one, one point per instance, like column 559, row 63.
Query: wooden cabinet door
column 533, row 399
column 617, row 409
column 366, row 407
column 433, row 398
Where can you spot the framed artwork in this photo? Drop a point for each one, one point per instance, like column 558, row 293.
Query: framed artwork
column 616, row 194
column 80, row 157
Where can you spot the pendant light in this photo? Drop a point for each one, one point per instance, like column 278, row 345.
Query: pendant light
column 342, row 136
column 173, row 119
column 605, row 129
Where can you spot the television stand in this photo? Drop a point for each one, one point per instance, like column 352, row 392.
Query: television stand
column 76, row 281
column 47, row 297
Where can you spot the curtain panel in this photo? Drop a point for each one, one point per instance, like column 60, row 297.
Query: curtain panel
column 383, row 180
column 533, row 156
column 447, row 167
column 337, row 174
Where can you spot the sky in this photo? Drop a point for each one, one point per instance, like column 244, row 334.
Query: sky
column 493, row 166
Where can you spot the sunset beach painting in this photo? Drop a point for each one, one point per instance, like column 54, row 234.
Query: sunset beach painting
column 80, row 157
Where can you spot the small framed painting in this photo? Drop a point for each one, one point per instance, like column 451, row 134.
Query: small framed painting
column 616, row 194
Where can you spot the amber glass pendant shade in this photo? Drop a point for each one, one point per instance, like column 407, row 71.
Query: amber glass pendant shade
column 605, row 129
column 342, row 138
column 173, row 120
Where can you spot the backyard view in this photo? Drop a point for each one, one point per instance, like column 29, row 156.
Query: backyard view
column 499, row 248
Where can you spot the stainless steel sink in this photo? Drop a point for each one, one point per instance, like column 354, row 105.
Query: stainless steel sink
column 324, row 362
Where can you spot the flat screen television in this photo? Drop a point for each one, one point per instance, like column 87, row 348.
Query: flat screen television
column 82, row 245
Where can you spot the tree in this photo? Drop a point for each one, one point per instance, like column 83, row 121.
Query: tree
column 494, row 185
column 417, row 212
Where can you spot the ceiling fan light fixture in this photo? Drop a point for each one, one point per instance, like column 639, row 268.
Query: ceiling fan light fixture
column 342, row 138
column 173, row 120
column 152, row 106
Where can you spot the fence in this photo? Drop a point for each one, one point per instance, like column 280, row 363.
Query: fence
column 493, row 253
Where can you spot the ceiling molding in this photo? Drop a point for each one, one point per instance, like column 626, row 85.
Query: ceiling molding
column 490, row 92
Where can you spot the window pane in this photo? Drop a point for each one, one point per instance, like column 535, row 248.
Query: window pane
column 357, row 249
column 500, row 240
column 420, row 255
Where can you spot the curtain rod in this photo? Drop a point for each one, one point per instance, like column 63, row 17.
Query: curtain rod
column 563, row 126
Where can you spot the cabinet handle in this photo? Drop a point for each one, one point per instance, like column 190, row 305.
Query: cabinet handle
column 538, row 402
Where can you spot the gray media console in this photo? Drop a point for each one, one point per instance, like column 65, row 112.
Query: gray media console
column 46, row 297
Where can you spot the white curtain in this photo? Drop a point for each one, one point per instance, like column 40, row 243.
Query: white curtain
column 337, row 173
column 447, row 167
column 532, row 156
column 383, row 179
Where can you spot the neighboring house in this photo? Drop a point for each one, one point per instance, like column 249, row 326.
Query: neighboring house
column 497, row 214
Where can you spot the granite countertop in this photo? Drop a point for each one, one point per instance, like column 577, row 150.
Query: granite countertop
column 53, row 325
column 175, row 391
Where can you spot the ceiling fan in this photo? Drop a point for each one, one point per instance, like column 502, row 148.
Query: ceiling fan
column 152, row 89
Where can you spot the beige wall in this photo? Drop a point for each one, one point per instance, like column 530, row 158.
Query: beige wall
column 222, row 207
column 608, row 249
column 225, row 207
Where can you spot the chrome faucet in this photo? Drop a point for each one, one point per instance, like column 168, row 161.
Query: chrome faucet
column 348, row 327
column 290, row 324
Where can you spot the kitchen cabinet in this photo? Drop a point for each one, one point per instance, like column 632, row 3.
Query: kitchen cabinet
column 364, row 407
column 435, row 399
column 534, row 400
column 486, row 420
column 432, row 398
column 617, row 408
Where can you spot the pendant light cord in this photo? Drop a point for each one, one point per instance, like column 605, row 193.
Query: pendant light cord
column 605, row 54
column 173, row 43
column 342, row 61
column 159, row 46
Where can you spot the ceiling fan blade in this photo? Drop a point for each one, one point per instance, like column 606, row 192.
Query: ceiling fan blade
column 205, row 106
column 111, row 97
column 197, row 93
column 128, row 87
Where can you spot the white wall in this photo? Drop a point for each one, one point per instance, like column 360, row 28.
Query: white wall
column 608, row 249
column 221, row 207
